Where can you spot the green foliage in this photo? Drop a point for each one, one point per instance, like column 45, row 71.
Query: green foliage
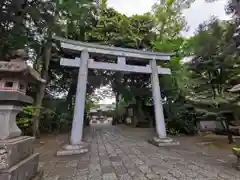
column 24, row 119
column 215, row 61
column 169, row 19
column 174, row 88
column 54, row 120
column 119, row 30
column 214, row 69
column 181, row 118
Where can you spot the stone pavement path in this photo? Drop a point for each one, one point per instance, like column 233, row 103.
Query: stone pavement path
column 122, row 153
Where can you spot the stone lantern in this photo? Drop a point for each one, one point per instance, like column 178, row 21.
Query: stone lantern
column 17, row 159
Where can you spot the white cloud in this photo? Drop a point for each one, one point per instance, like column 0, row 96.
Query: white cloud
column 131, row 7
column 201, row 11
column 198, row 13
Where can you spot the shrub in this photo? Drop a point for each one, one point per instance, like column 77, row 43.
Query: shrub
column 24, row 120
column 55, row 121
column 181, row 119
column 50, row 120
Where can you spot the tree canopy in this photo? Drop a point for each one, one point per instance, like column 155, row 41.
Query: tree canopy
column 213, row 52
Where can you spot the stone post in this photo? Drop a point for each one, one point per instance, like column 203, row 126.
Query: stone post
column 76, row 145
column 161, row 139
column 157, row 100
column 78, row 117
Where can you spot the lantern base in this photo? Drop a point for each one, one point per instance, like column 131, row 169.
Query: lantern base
column 9, row 128
column 17, row 159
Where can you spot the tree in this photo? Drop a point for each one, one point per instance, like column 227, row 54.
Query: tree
column 30, row 24
column 169, row 18
column 116, row 29
column 170, row 22
column 215, row 64
column 214, row 60
column 211, row 73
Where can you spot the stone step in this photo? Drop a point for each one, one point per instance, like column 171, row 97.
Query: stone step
column 24, row 170
column 12, row 151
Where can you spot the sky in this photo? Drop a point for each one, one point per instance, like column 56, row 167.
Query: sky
column 198, row 13
column 195, row 15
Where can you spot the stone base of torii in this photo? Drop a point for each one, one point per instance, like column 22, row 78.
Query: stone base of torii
column 76, row 145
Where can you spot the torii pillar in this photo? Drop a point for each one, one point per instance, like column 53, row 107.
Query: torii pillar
column 77, row 146
column 161, row 139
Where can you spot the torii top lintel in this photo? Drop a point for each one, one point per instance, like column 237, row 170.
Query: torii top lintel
column 71, row 45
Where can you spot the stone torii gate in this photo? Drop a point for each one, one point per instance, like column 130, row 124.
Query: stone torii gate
column 83, row 62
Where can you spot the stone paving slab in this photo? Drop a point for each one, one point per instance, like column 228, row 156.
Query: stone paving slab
column 123, row 153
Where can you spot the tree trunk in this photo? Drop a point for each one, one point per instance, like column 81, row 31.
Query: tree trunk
column 42, row 87
column 134, row 120
column 116, row 116
column 230, row 136
column 36, row 117
column 69, row 100
column 138, row 112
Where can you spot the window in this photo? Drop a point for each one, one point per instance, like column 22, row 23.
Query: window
column 8, row 84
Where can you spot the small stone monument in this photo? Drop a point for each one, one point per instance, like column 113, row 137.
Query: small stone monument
column 17, row 158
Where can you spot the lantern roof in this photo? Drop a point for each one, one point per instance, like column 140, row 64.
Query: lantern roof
column 17, row 67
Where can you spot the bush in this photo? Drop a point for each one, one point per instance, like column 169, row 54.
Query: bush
column 50, row 120
column 24, row 120
column 181, row 119
column 55, row 121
